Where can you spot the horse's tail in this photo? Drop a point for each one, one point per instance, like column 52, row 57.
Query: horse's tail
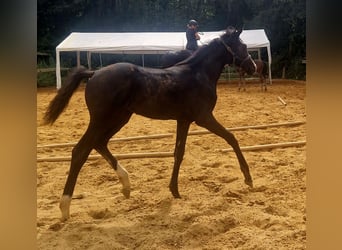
column 61, row 100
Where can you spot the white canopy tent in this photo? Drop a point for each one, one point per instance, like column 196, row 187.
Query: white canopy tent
column 146, row 43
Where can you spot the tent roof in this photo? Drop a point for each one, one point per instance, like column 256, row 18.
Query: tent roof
column 123, row 42
column 252, row 38
column 148, row 42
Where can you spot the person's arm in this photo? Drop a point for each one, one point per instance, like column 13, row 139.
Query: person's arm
column 197, row 36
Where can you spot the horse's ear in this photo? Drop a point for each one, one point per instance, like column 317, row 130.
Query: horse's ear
column 230, row 30
column 239, row 31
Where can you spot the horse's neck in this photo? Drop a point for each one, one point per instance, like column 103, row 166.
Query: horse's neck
column 213, row 67
column 208, row 61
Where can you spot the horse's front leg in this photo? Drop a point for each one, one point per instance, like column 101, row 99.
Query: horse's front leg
column 242, row 80
column 182, row 132
column 263, row 83
column 210, row 123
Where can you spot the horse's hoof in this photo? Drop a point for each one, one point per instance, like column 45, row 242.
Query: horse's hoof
column 126, row 192
column 249, row 183
column 64, row 206
column 176, row 196
column 175, row 193
column 64, row 218
column 65, row 215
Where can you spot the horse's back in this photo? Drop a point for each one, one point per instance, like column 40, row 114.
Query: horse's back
column 110, row 86
column 120, row 69
column 122, row 85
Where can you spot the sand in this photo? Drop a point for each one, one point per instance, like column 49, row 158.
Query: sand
column 216, row 211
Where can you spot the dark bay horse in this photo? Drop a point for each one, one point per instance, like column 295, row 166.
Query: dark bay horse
column 185, row 92
column 261, row 71
column 171, row 58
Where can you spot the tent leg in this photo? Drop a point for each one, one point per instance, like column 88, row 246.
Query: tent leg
column 269, row 73
column 269, row 63
column 89, row 59
column 58, row 70
column 78, row 59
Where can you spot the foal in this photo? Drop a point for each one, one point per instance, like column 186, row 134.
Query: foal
column 185, row 92
column 261, row 72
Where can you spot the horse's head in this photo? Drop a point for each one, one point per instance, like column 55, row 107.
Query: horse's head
column 231, row 40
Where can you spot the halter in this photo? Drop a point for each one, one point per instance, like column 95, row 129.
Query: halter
column 233, row 54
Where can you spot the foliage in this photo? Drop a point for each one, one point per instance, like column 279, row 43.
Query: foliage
column 284, row 22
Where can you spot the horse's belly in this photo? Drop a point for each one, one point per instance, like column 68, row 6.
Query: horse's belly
column 157, row 112
column 169, row 110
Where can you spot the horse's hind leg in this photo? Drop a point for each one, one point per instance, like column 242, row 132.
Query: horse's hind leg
column 96, row 137
column 244, row 83
column 121, row 171
column 182, row 132
column 213, row 126
column 240, row 82
column 265, row 86
column 118, row 122
column 80, row 154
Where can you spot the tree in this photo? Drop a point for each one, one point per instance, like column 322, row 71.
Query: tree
column 284, row 22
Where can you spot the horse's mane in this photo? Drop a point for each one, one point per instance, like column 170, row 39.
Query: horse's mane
column 201, row 53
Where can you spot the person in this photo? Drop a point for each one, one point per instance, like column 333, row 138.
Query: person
column 192, row 35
